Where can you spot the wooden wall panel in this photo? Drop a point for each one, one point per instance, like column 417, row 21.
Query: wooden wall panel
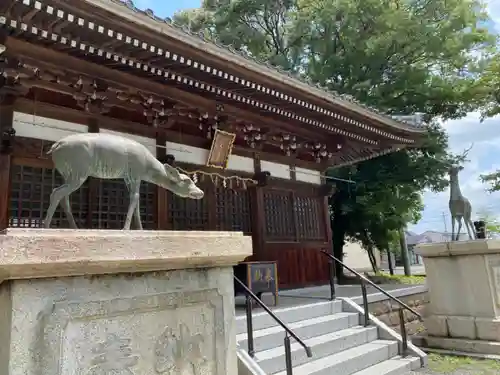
column 6, row 116
column 295, row 231
column 298, row 267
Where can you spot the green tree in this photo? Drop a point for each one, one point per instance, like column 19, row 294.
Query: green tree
column 386, row 193
column 401, row 56
column 487, row 91
column 493, row 180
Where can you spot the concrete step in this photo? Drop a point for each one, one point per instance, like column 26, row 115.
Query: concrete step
column 273, row 360
column 262, row 319
column 349, row 361
column 273, row 337
column 394, row 366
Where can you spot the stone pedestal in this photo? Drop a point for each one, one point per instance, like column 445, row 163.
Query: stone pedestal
column 464, row 295
column 112, row 302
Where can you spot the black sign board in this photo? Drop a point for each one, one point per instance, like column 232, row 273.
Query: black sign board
column 259, row 277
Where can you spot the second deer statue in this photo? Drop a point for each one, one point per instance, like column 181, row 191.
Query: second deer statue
column 460, row 207
column 79, row 156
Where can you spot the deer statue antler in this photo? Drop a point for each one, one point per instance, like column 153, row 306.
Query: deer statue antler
column 464, row 154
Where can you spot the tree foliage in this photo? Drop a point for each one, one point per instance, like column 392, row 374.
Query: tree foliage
column 401, row 56
column 488, row 93
column 493, row 180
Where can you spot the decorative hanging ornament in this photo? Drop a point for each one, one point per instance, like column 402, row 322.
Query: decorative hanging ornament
column 219, row 180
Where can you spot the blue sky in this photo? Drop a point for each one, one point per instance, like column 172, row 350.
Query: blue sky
column 484, row 156
column 166, row 8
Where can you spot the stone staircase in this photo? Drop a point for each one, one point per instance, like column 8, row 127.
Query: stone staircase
column 339, row 343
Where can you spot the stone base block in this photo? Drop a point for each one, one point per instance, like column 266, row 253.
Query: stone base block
column 114, row 302
column 462, row 345
column 168, row 322
column 463, row 327
column 436, row 325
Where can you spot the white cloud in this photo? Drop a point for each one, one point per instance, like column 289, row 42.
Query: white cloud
column 493, row 7
column 484, row 158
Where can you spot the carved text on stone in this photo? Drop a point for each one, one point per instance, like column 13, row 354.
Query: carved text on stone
column 181, row 352
column 112, row 357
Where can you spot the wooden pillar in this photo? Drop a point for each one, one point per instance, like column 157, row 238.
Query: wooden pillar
column 93, row 191
column 327, row 219
column 6, row 123
column 210, row 190
column 258, row 216
column 327, row 222
column 330, row 266
column 293, row 173
column 161, row 215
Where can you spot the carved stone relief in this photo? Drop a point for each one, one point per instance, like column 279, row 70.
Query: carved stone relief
column 165, row 334
column 112, row 356
column 494, row 270
column 181, row 351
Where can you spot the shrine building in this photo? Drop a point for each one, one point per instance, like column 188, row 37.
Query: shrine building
column 77, row 66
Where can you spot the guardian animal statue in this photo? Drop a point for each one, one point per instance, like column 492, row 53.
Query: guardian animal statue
column 108, row 156
column 460, row 207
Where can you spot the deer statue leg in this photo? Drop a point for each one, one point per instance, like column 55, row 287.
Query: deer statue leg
column 470, row 229
column 134, row 201
column 459, row 228
column 67, row 211
column 137, row 212
column 137, row 215
column 453, row 228
column 63, row 192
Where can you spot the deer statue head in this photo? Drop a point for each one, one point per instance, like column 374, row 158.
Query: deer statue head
column 179, row 183
column 456, row 168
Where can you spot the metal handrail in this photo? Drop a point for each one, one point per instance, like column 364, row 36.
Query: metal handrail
column 364, row 281
column 288, row 332
column 395, row 299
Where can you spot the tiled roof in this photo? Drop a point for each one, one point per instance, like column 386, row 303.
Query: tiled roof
column 406, row 121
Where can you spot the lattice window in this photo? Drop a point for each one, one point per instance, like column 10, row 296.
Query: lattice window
column 112, row 204
column 279, row 215
column 233, row 210
column 187, row 214
column 148, row 205
column 291, row 217
column 308, row 218
column 30, row 198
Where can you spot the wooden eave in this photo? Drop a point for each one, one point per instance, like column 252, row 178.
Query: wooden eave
column 153, row 39
column 281, row 85
column 73, row 35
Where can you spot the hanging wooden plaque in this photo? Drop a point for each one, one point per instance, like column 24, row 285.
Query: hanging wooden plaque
column 222, row 145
